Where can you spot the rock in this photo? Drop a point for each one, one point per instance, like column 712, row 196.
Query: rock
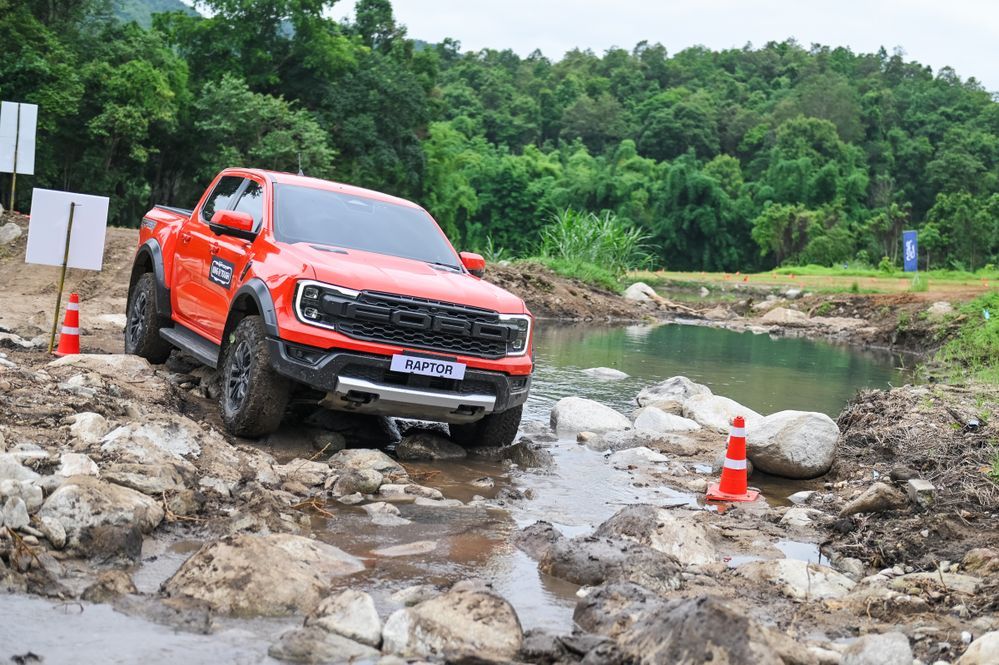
column 681, row 632
column 605, row 373
column 792, row 444
column 801, row 497
column 920, row 492
column 307, row 472
column 641, row 292
column 703, row 292
column 9, row 232
column 316, row 646
column 792, row 294
column 460, row 624
column 981, row 561
column 719, row 462
column 408, row 549
column 176, row 436
column 52, row 529
column 351, row 614
column 866, row 600
column 76, row 464
column 884, row 649
column 272, row 575
column 796, row 579
column 915, row 583
column 12, row 469
column 380, row 508
column 902, row 473
column 656, row 420
column 363, row 458
column 83, row 502
column 800, row 517
column 110, row 584
column 428, row 445
column 28, row 491
column 623, row 440
column 89, row 427
column 363, row 481
column 110, row 543
column 576, row 414
column 15, row 514
column 877, row 498
column 716, row 412
column 636, row 457
column 939, row 310
column 414, row 595
column 782, row 316
column 983, row 651
column 717, row 313
column 675, row 389
column 523, row 454
column 663, row 530
column 592, row 560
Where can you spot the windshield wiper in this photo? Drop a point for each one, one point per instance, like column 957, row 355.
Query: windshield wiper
column 444, row 265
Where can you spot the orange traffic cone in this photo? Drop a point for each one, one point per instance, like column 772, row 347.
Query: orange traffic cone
column 734, row 483
column 69, row 338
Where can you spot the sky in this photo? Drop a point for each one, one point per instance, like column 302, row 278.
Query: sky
column 963, row 34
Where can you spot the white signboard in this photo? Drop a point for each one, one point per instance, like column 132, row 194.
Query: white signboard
column 47, row 229
column 17, row 127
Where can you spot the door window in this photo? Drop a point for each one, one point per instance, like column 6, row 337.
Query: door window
column 252, row 202
column 221, row 197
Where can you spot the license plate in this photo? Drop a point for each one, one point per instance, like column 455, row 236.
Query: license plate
column 446, row 369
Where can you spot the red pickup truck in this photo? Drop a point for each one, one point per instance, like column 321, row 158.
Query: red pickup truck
column 305, row 289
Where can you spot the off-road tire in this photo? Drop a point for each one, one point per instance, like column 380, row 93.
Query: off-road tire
column 142, row 323
column 252, row 396
column 494, row 430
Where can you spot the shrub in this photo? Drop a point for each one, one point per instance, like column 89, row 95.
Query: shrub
column 583, row 237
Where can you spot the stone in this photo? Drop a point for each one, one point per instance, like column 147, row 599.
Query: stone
column 354, row 481
column 981, row 561
column 719, row 462
column 15, row 513
column 605, row 373
column 414, row 595
column 380, row 508
column 351, row 614
column 12, row 469
column 592, row 561
column 576, row 414
column 363, row 458
column 799, row 580
column 316, row 646
column 920, row 492
column 52, row 529
column 524, row 454
column 110, row 584
column 982, row 651
column 939, row 310
column 916, row 583
column 636, row 457
column 89, row 427
column 716, row 412
column 877, row 498
column 83, row 502
column 110, row 543
column 792, row 444
column 676, row 388
column 9, row 232
column 666, row 531
column 76, row 464
column 801, row 497
column 272, row 575
column 408, row 549
column 703, row 292
column 461, row 624
column 800, row 517
column 428, row 445
column 656, row 420
column 782, row 316
column 175, row 436
column 28, row 491
column 307, row 472
column 792, row 294
column 641, row 292
column 879, row 649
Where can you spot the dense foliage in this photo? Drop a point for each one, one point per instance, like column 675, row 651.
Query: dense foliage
column 730, row 160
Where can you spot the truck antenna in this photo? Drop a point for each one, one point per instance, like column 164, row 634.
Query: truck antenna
column 300, row 171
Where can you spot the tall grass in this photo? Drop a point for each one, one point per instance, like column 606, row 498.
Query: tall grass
column 975, row 347
column 605, row 241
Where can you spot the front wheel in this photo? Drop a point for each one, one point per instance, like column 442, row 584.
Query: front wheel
column 253, row 396
column 494, row 430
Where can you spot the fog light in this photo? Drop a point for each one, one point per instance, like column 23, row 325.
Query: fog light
column 517, row 344
column 310, row 293
column 311, row 313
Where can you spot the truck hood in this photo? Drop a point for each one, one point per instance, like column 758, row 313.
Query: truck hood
column 391, row 274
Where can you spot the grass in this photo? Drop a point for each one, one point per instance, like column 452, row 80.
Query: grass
column 584, row 238
column 920, row 283
column 581, row 270
column 987, row 274
column 973, row 349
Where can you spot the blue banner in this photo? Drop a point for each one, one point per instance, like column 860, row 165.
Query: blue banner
column 909, row 251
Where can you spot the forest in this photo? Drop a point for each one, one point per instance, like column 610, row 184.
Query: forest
column 740, row 159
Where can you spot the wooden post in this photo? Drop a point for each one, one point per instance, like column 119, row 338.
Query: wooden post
column 13, row 176
column 62, row 278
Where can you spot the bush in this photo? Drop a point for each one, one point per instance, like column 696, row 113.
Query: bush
column 920, row 283
column 886, row 266
column 976, row 345
column 579, row 238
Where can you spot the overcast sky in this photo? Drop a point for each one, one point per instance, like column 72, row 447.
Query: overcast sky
column 963, row 34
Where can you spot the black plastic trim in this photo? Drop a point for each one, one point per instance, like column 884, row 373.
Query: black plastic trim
column 257, row 290
column 152, row 248
column 322, row 373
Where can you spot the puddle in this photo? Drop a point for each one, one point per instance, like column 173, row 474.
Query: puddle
column 809, row 552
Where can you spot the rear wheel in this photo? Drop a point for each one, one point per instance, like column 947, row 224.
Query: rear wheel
column 494, row 430
column 142, row 324
column 253, row 396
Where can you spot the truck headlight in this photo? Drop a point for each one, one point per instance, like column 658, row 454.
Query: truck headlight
column 517, row 342
column 318, row 304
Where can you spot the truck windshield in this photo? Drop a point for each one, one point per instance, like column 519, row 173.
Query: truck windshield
column 307, row 214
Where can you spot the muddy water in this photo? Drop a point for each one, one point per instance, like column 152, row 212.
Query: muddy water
column 449, row 544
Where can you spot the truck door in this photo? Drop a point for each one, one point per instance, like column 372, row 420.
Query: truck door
column 192, row 291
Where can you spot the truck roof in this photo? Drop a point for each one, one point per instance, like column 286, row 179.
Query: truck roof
column 318, row 183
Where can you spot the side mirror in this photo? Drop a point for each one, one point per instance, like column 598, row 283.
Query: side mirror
column 474, row 263
column 233, row 223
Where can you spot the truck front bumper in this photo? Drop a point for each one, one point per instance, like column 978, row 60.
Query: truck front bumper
column 364, row 383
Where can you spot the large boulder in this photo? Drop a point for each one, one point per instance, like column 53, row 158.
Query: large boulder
column 273, row 575
column 663, row 530
column 642, row 292
column 653, row 419
column 798, row 579
column 364, row 458
column 792, row 444
column 576, row 414
column 673, row 389
column 983, row 651
column 462, row 624
column 716, row 412
column 83, row 502
column 428, row 445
